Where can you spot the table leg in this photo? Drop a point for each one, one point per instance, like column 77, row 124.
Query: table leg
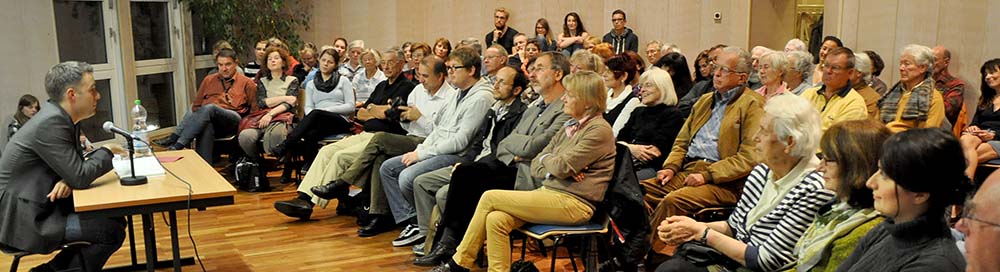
column 173, row 241
column 131, row 240
column 149, row 235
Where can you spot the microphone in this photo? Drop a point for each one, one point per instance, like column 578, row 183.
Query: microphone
column 132, row 180
column 111, row 128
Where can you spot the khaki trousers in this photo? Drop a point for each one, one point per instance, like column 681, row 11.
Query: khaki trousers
column 675, row 198
column 501, row 211
column 331, row 161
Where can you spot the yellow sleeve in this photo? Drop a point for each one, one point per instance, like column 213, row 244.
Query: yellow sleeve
column 935, row 115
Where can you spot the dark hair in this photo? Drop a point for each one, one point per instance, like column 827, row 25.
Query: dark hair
column 227, row 53
column 340, row 39
column 622, row 65
column 677, row 63
column 618, row 11
column 333, row 53
column 988, row 93
column 856, row 147
column 405, row 45
column 520, row 80
column 469, row 58
column 25, row 101
column 435, row 63
column 534, row 42
column 877, row 63
column 284, row 59
column 698, row 77
column 579, row 24
column 842, row 51
column 640, row 65
column 834, row 39
column 927, row 160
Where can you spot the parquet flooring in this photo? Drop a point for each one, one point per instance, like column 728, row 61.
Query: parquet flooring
column 251, row 236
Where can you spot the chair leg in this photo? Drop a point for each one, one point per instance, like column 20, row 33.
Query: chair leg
column 15, row 263
column 524, row 246
column 541, row 247
column 555, row 246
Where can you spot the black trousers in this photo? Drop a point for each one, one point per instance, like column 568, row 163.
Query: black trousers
column 318, row 124
column 209, row 122
column 106, row 236
column 468, row 183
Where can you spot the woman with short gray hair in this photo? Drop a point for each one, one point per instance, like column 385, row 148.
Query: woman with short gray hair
column 797, row 72
column 771, row 68
column 780, row 199
column 912, row 102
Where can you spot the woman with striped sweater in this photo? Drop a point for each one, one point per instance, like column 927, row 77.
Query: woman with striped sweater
column 780, row 199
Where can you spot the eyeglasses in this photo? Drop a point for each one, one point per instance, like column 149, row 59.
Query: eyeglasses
column 835, row 68
column 724, row 69
column 822, row 157
column 456, row 67
column 967, row 212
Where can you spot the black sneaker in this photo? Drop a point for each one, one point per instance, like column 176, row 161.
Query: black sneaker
column 409, row 236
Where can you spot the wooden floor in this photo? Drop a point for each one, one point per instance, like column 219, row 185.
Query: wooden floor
column 251, row 236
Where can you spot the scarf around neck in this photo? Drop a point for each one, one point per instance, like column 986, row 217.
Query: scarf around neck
column 328, row 85
column 916, row 107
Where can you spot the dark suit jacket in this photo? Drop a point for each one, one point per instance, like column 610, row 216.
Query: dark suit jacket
column 45, row 151
column 532, row 134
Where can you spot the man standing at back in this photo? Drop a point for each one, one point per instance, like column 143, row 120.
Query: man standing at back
column 503, row 34
column 620, row 37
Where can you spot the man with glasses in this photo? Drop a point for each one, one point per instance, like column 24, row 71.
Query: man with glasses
column 454, row 128
column 480, row 166
column 835, row 100
column 494, row 58
column 620, row 37
column 503, row 34
column 701, row 88
column 714, row 151
column 981, row 226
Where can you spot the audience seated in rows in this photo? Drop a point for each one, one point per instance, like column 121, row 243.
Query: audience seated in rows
column 714, row 150
column 621, row 100
column 352, row 67
column 781, row 197
column 676, row 65
column 800, row 67
column 621, row 38
column 369, row 77
column 829, row 43
column 771, row 68
column 952, row 88
column 573, row 35
column 502, row 34
column 576, row 167
column 479, row 170
column 979, row 139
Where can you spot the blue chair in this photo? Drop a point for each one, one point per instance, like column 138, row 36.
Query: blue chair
column 18, row 254
column 598, row 225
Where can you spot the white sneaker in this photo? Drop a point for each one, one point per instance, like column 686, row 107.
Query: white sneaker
column 409, row 236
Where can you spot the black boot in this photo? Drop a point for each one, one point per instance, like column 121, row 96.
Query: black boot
column 286, row 173
column 168, row 141
column 442, row 251
column 337, row 189
column 450, row 266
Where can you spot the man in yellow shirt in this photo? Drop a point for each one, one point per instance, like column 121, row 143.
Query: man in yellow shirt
column 835, row 99
column 913, row 102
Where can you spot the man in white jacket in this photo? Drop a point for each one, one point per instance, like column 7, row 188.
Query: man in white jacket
column 454, row 128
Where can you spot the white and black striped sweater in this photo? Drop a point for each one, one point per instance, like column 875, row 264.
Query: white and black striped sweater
column 771, row 239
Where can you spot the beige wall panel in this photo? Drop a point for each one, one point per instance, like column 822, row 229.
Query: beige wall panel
column 850, row 22
column 28, row 55
column 772, row 23
column 877, row 32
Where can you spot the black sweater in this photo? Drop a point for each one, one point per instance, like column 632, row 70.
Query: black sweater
column 924, row 244
column 656, row 125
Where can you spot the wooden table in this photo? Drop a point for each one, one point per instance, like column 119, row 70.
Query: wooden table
column 108, row 198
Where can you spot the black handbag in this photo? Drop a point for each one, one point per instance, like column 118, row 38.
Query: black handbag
column 523, row 266
column 702, row 255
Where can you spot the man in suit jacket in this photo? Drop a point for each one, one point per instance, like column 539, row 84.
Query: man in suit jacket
column 41, row 167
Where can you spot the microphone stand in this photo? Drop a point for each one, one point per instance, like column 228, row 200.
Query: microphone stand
column 133, row 180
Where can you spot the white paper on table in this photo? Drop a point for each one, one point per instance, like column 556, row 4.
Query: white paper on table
column 144, row 166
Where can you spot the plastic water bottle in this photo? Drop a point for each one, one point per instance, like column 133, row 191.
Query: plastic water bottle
column 139, row 129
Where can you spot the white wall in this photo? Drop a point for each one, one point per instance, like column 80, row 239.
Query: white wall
column 29, row 50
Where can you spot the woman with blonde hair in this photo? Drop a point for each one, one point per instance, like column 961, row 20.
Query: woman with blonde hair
column 576, row 167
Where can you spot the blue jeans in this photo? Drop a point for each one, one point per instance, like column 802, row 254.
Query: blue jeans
column 397, row 182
